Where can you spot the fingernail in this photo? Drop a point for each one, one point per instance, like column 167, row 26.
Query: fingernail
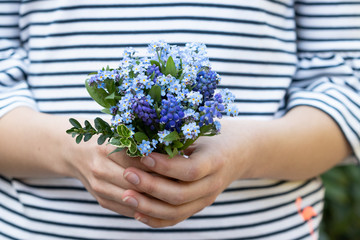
column 132, row 178
column 143, row 220
column 148, row 161
column 131, row 201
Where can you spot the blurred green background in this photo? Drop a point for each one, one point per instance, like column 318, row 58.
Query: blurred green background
column 341, row 219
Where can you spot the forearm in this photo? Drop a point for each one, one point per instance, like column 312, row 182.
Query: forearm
column 303, row 144
column 33, row 144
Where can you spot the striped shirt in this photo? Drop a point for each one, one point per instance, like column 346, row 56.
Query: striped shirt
column 274, row 55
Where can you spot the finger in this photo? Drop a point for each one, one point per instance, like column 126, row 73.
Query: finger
column 192, row 168
column 169, row 190
column 122, row 159
column 115, row 206
column 154, row 212
column 106, row 190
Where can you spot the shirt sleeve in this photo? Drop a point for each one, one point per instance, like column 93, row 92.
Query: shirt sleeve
column 14, row 90
column 328, row 74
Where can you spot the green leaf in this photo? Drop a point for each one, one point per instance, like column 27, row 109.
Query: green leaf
column 101, row 139
column 98, row 94
column 175, row 152
column 133, row 147
column 87, row 137
column 87, row 125
column 134, row 154
column 170, row 67
column 118, row 149
column 155, row 62
column 173, row 136
column 71, row 131
column 155, row 93
column 125, row 142
column 106, row 111
column 111, row 96
column 187, row 144
column 75, row 123
column 206, row 128
column 177, row 144
column 115, row 142
column 79, row 138
column 140, row 136
column 169, row 151
column 101, row 125
column 123, row 131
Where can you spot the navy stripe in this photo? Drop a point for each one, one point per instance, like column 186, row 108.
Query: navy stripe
column 257, row 101
column 9, row 13
column 327, row 15
column 167, row 230
column 85, row 99
column 261, row 197
column 324, row 75
column 221, row 73
column 332, row 28
column 323, row 3
column 7, row 105
column 52, row 187
column 165, row 18
column 99, row 59
column 14, row 67
column 8, row 26
column 271, row 234
column 260, row 210
column 8, row 236
column 205, row 5
column 329, row 39
column 346, row 84
column 321, row 67
column 230, row 47
column 42, row 233
column 74, row 112
column 332, row 49
column 63, row 99
column 58, row 199
column 17, row 95
column 137, row 32
column 255, row 187
column 344, row 105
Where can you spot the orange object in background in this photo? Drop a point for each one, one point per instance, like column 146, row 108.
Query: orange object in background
column 307, row 214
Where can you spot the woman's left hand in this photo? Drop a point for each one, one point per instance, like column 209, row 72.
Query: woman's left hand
column 184, row 186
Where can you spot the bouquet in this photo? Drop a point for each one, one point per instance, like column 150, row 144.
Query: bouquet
column 162, row 102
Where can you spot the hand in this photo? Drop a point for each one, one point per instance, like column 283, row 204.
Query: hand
column 102, row 174
column 184, row 186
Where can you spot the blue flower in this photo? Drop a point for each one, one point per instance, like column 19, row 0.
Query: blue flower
column 145, row 112
column 227, row 96
column 217, row 126
column 191, row 114
column 194, row 98
column 206, row 83
column 172, row 113
column 190, row 130
column 210, row 110
column 127, row 117
column 116, row 120
column 232, row 110
column 162, row 135
column 145, row 147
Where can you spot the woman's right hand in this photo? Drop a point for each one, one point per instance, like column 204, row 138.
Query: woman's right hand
column 102, row 174
column 35, row 145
